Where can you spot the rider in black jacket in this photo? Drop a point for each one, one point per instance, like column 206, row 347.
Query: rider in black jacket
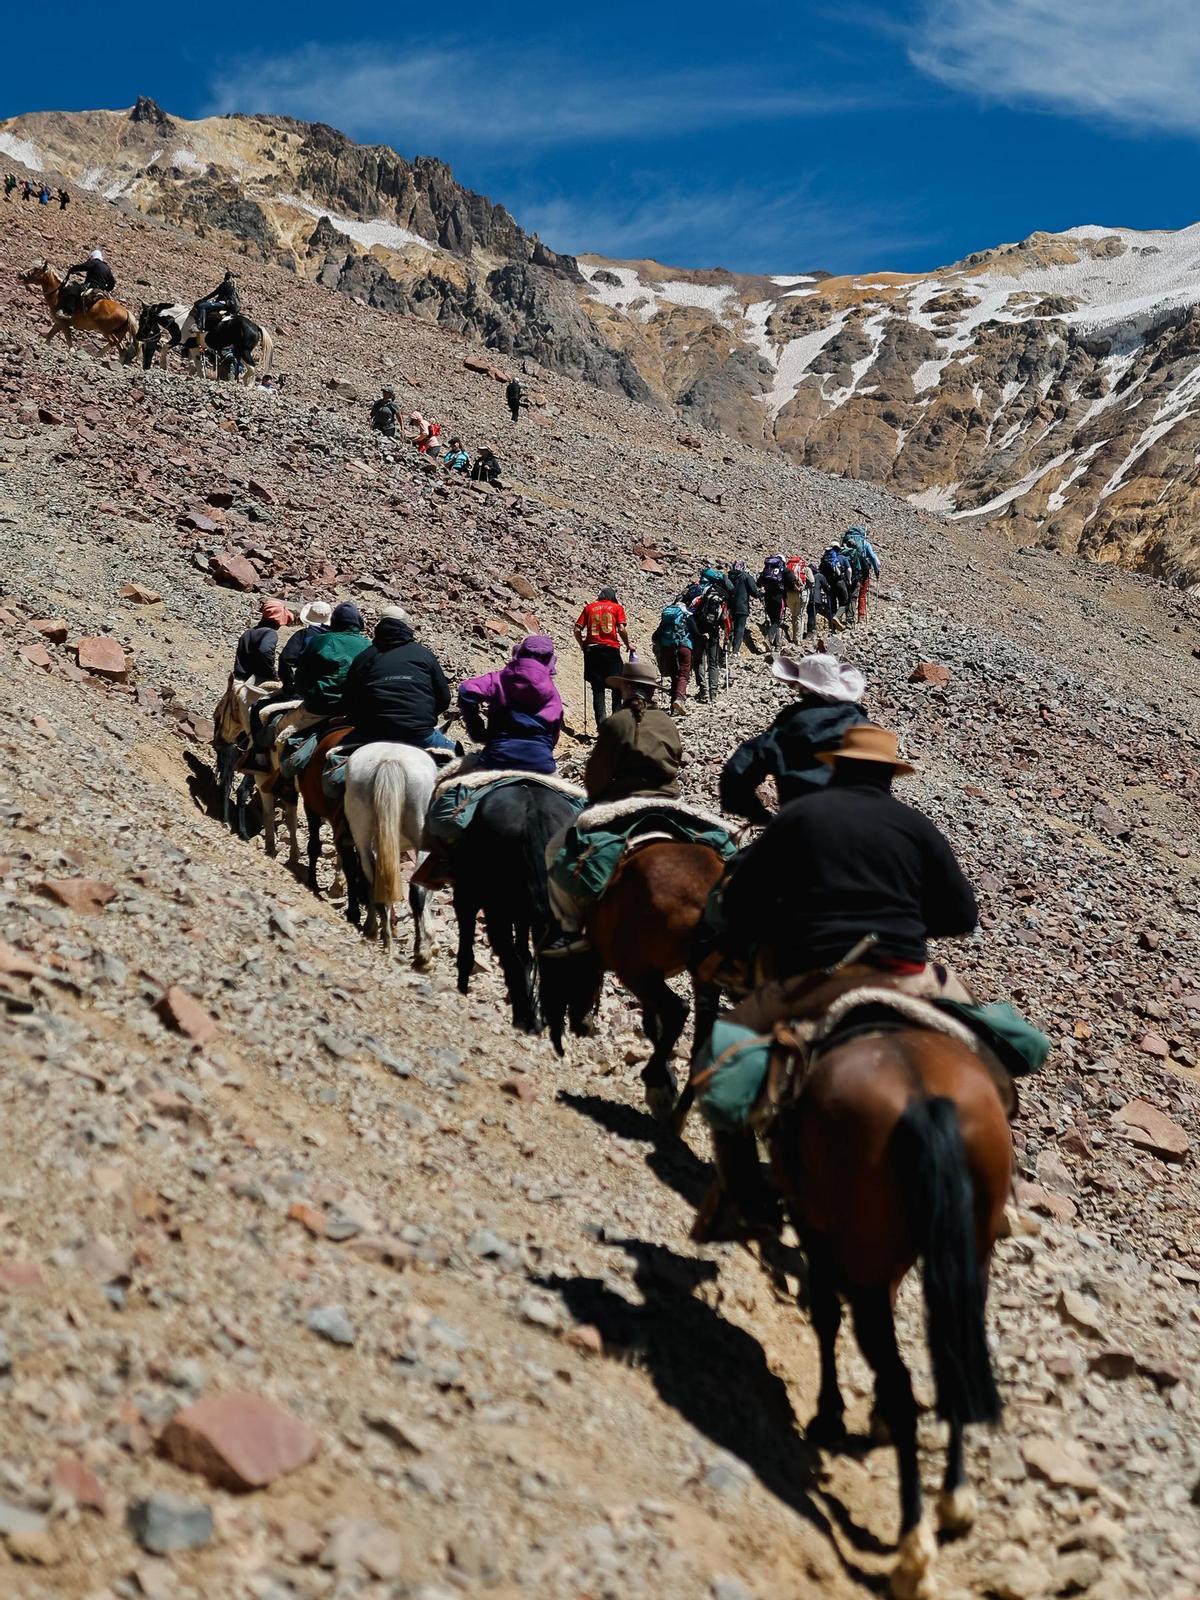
column 396, row 689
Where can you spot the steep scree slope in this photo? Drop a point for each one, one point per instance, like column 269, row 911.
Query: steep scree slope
column 365, row 1199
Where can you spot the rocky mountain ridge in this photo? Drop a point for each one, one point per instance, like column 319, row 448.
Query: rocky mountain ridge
column 1044, row 388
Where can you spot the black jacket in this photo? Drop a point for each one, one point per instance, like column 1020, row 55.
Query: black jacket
column 384, row 416
column 396, row 688
column 745, row 589
column 255, row 657
column 844, row 862
column 293, row 650
column 96, row 274
column 787, row 752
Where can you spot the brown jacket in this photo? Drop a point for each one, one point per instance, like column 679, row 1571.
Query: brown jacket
column 634, row 755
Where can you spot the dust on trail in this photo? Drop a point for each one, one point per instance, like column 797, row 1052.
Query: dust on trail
column 357, row 1148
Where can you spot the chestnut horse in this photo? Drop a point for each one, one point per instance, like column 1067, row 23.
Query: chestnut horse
column 318, row 808
column 106, row 317
column 641, row 930
column 896, row 1148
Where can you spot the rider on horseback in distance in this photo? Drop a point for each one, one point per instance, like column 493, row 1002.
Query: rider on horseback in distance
column 98, row 281
column 223, row 298
column 841, row 864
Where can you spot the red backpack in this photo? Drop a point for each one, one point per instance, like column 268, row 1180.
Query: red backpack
column 798, row 567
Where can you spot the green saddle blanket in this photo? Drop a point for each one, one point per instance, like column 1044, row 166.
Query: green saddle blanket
column 454, row 806
column 737, row 1058
column 585, row 865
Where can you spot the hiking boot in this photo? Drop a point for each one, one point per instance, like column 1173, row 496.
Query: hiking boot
column 563, row 945
column 678, row 708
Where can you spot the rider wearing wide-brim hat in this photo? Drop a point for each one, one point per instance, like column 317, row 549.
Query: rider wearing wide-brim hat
column 829, row 700
column 637, row 752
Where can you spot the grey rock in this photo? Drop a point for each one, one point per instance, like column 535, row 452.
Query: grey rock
column 166, row 1522
column 332, row 1323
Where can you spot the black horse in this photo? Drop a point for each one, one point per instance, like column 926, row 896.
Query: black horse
column 232, row 340
column 500, row 869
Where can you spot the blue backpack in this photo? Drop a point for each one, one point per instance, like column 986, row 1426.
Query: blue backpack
column 674, row 628
column 835, row 567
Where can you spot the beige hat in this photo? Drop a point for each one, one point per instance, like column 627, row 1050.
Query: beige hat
column 823, row 675
column 640, row 674
column 394, row 614
column 866, row 741
column 316, row 614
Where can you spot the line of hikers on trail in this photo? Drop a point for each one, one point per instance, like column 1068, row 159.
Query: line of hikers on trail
column 426, row 437
column 702, row 631
column 41, row 192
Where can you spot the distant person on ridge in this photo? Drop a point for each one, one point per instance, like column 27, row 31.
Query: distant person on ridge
column 64, row 199
column 600, row 630
column 515, row 396
column 745, row 589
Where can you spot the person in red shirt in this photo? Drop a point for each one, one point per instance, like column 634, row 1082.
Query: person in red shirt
column 600, row 631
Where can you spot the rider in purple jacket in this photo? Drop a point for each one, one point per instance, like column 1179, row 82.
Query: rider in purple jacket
column 525, row 712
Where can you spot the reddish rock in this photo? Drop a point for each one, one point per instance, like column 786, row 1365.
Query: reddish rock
column 16, row 1275
column 86, row 895
column 520, row 1089
column 261, row 492
column 79, row 1482
column 477, row 364
column 1153, row 1130
column 309, row 1217
column 103, row 657
column 15, row 963
column 199, row 522
column 139, row 594
column 1153, row 1044
column 179, row 1010
column 50, row 418
column 239, row 1441
column 521, row 586
column 36, row 655
column 654, row 567
column 238, row 572
column 52, row 628
column 930, row 672
column 1034, row 1198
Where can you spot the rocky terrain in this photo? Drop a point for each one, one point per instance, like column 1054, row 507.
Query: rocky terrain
column 252, row 1163
column 1046, row 388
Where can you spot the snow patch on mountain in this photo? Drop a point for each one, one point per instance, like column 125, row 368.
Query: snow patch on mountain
column 374, row 232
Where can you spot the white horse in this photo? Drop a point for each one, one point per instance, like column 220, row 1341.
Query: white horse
column 388, row 790
column 231, row 721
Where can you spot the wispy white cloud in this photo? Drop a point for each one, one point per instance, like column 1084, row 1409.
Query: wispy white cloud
column 456, row 95
column 1136, row 64
column 746, row 228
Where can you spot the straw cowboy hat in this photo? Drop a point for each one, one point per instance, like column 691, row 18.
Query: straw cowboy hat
column 822, row 675
column 640, row 674
column 865, row 741
column 316, row 614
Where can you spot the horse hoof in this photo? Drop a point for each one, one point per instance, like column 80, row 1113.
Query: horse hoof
column 660, row 1101
column 956, row 1509
column 913, row 1577
column 827, row 1428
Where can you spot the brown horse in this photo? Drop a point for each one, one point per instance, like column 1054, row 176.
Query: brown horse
column 107, row 318
column 319, row 808
column 896, row 1148
column 641, row 930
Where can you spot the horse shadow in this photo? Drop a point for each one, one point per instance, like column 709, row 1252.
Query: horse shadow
column 763, row 1431
column 670, row 1160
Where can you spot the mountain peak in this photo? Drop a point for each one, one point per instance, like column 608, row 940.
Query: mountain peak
column 147, row 110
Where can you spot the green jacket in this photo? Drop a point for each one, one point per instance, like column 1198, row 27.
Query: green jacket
column 634, row 756
column 320, row 679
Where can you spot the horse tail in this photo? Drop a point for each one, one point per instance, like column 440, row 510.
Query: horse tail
column 931, row 1168
column 266, row 349
column 387, row 800
column 541, row 828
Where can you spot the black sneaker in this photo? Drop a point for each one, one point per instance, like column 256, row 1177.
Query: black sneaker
column 565, row 944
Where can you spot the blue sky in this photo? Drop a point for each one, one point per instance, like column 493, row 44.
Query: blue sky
column 779, row 138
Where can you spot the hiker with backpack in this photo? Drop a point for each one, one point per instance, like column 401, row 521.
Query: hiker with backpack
column 711, row 623
column 862, row 557
column 799, row 597
column 601, row 628
column 674, row 644
column 745, row 589
column 839, row 580
column 775, row 582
